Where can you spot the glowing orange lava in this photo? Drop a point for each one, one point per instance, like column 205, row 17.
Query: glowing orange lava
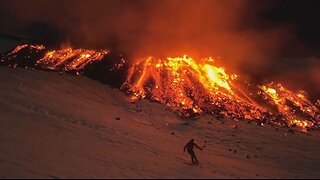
column 294, row 106
column 184, row 84
column 19, row 47
column 192, row 86
column 70, row 59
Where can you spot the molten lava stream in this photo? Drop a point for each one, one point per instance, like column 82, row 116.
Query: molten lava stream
column 191, row 87
column 187, row 86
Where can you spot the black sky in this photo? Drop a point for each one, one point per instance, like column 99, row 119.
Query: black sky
column 303, row 16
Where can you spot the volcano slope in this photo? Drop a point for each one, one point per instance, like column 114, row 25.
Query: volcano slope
column 64, row 126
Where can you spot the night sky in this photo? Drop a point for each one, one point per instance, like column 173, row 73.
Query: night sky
column 303, row 16
column 264, row 39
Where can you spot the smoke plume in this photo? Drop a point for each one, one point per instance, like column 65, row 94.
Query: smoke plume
column 236, row 31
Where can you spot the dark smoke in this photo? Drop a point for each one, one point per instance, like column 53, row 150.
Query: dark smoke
column 147, row 27
column 237, row 31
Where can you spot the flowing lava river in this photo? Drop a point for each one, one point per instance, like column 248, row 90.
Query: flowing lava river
column 187, row 86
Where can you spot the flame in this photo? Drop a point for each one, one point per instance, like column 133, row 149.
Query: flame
column 291, row 104
column 70, row 59
column 178, row 69
column 19, row 47
column 191, row 86
column 184, row 84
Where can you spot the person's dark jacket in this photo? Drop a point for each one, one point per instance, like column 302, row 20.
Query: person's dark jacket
column 190, row 145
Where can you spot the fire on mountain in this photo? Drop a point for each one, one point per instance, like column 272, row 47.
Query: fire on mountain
column 185, row 85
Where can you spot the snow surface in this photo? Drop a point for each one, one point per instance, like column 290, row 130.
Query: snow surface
column 64, row 126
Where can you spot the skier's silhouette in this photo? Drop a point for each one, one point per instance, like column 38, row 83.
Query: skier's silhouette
column 189, row 146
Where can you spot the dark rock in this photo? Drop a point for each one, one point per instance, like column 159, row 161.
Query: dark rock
column 117, row 118
column 291, row 131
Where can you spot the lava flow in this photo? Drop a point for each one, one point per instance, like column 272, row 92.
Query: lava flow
column 297, row 109
column 62, row 60
column 18, row 48
column 70, row 59
column 185, row 85
column 191, row 87
column 188, row 87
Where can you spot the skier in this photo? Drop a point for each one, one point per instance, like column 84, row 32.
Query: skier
column 189, row 146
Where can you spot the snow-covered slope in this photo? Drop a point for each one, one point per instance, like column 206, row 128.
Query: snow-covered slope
column 63, row 126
